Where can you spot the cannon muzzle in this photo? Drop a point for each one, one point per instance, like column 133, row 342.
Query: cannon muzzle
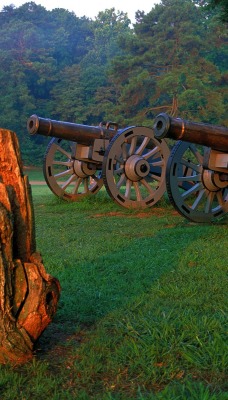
column 208, row 135
column 83, row 134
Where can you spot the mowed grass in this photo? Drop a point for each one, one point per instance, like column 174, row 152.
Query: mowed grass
column 143, row 306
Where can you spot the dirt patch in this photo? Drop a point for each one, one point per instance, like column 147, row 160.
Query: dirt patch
column 31, row 168
column 158, row 211
column 57, row 344
column 37, row 182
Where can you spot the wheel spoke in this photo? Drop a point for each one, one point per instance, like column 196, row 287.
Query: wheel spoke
column 64, row 173
column 196, row 153
column 147, row 186
column 160, row 163
column 198, row 199
column 69, row 181
column 128, row 189
column 63, row 163
column 209, row 202
column 191, row 178
column 223, row 202
column 156, row 177
column 119, row 160
column 132, row 146
column 124, row 151
column 63, row 151
column 193, row 189
column 77, row 184
column 152, row 152
column 119, row 171
column 137, row 191
column 142, row 146
column 122, row 180
column 191, row 165
column 86, row 184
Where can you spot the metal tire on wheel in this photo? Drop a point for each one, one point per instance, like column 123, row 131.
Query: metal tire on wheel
column 67, row 177
column 134, row 168
column 190, row 187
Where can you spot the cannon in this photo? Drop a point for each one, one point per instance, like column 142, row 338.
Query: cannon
column 79, row 159
column 197, row 168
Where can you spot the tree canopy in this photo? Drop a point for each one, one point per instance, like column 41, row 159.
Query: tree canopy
column 59, row 66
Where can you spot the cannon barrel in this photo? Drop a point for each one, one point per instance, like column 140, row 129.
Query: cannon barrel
column 208, row 135
column 129, row 161
column 83, row 134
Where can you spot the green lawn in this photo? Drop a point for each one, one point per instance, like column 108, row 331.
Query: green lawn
column 143, row 307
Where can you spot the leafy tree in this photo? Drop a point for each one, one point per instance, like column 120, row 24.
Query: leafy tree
column 108, row 29
column 57, row 65
column 35, row 45
column 68, row 96
column 166, row 67
column 219, row 5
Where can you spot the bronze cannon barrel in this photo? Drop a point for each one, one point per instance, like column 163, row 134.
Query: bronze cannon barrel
column 83, row 134
column 212, row 136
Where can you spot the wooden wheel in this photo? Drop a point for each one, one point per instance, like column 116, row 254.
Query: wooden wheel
column 134, row 168
column 197, row 193
column 67, row 177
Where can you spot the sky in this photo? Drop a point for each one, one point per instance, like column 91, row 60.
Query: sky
column 90, row 8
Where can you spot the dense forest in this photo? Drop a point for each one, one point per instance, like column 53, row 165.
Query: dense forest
column 59, row 66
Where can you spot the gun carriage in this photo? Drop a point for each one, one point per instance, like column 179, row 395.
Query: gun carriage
column 130, row 162
column 197, row 168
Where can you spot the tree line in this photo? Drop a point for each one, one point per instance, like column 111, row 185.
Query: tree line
column 57, row 65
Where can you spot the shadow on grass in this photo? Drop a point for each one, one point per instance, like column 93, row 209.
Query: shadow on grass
column 119, row 270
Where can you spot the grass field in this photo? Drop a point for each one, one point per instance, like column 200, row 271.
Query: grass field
column 143, row 306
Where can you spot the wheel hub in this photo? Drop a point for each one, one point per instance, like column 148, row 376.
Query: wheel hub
column 83, row 169
column 212, row 180
column 136, row 168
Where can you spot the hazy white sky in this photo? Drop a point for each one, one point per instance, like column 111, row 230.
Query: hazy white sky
column 90, row 8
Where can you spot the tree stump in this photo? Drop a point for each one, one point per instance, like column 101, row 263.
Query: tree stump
column 28, row 295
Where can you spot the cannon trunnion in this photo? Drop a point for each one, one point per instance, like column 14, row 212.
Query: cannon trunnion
column 79, row 159
column 197, row 168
